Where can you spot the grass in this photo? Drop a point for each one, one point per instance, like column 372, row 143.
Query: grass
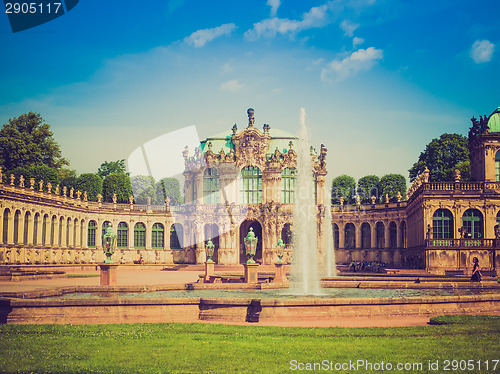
column 206, row 348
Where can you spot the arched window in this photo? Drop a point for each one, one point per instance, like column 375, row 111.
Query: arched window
column 17, row 217
column 53, row 230
column 403, row 235
column 122, row 235
column 336, row 237
column 61, row 221
column 44, row 229
column 26, row 227
column 393, row 235
column 176, row 236
column 5, row 227
column 288, row 185
column 380, row 231
column 442, row 224
column 35, row 228
column 210, row 186
column 91, row 234
column 286, row 235
column 68, row 224
column 350, row 236
column 82, row 232
column 497, row 166
column 251, row 185
column 366, row 236
column 139, row 235
column 75, row 232
column 473, row 223
column 157, row 236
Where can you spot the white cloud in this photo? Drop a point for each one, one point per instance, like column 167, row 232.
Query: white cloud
column 270, row 27
column 360, row 60
column 232, row 86
column 274, row 4
column 348, row 27
column 357, row 41
column 201, row 37
column 482, row 51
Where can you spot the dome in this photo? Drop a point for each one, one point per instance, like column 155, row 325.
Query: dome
column 494, row 121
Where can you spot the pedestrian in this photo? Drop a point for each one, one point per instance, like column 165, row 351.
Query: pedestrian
column 476, row 271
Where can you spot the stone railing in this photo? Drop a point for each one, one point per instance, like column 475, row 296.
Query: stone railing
column 461, row 243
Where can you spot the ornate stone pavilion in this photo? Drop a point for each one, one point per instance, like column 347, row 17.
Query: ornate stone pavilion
column 245, row 179
column 234, row 181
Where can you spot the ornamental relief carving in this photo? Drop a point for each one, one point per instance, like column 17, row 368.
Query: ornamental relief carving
column 250, row 147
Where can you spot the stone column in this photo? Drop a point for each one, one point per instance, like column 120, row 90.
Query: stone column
column 30, row 229
column 341, row 235
column 386, row 235
column 149, row 235
column 373, row 233
column 130, row 236
column 359, row 243
column 320, row 189
column 200, row 245
column 10, row 227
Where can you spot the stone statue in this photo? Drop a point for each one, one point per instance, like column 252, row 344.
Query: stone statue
column 32, row 183
column 251, row 118
column 21, row 181
column 49, row 187
column 12, row 178
column 148, row 200
column 341, row 200
column 78, row 194
column 209, row 145
column 374, row 199
column 358, row 200
column 266, row 128
column 387, row 198
column 426, row 174
column 65, row 190
column 463, row 232
column 457, row 176
column 497, row 231
column 114, row 198
column 40, row 184
column 99, row 198
column 57, row 190
column 131, row 199
column 399, row 197
column 429, row 232
column 235, row 129
column 71, row 191
column 185, row 152
column 85, row 197
column 290, row 145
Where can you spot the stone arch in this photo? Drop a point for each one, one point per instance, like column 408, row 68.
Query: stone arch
column 393, row 235
column 17, row 218
column 402, row 233
column 27, row 218
column 349, row 236
column 366, row 235
column 176, row 236
column 5, row 226
column 380, row 235
column 256, row 225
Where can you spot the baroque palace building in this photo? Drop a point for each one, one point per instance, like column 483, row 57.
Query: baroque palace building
column 246, row 179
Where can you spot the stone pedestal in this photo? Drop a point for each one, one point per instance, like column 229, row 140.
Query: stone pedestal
column 209, row 271
column 280, row 273
column 251, row 273
column 108, row 274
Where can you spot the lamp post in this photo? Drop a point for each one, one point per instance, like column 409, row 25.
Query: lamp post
column 251, row 246
column 109, row 244
column 280, row 250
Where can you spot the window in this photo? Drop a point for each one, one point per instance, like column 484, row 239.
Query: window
column 251, row 185
column 5, row 225
column 91, row 234
column 122, row 235
column 288, row 185
column 336, row 237
column 286, row 235
column 366, row 236
column 442, row 224
column 35, row 229
column 26, row 225
column 380, row 232
column 176, row 236
column 17, row 215
column 157, row 236
column 497, row 167
column 473, row 223
column 210, row 186
column 350, row 236
column 393, row 235
column 139, row 235
column 44, row 229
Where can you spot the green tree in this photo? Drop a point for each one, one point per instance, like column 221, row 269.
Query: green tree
column 368, row 186
column 90, row 182
column 391, row 184
column 45, row 173
column 26, row 141
column 69, row 182
column 442, row 156
column 343, row 186
column 143, row 186
column 111, row 167
column 169, row 187
column 119, row 184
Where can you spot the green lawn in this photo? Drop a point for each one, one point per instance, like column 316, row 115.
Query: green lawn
column 205, row 348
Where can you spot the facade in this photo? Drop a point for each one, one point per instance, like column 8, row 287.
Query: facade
column 246, row 179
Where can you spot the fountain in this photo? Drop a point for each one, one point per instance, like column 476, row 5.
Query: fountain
column 305, row 270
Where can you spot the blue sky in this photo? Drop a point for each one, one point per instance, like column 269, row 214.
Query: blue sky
column 378, row 78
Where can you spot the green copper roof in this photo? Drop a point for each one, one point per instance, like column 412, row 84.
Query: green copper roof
column 494, row 121
column 279, row 139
